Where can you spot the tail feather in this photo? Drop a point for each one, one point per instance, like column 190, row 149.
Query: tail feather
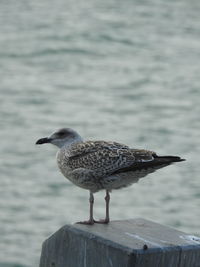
column 169, row 159
column 157, row 163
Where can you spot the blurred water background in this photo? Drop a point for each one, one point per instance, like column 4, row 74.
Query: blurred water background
column 116, row 70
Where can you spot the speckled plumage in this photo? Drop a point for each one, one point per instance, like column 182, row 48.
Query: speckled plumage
column 98, row 165
column 93, row 165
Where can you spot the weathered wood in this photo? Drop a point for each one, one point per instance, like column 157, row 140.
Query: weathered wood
column 130, row 243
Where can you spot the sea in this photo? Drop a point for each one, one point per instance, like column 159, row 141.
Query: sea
column 125, row 71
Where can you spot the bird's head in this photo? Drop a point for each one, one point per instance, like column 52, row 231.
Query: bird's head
column 60, row 138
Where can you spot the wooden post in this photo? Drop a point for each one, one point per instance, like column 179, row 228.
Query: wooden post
column 130, row 243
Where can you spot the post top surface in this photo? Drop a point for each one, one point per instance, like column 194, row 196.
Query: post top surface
column 137, row 234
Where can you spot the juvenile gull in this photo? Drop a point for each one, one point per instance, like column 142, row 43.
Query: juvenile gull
column 101, row 165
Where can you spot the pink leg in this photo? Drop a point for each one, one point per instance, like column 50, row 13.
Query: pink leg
column 107, row 218
column 91, row 219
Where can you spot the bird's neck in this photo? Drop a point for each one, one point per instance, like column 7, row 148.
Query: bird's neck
column 69, row 143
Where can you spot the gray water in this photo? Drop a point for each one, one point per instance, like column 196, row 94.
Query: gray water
column 116, row 70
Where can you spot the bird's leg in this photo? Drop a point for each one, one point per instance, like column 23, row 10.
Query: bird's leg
column 91, row 200
column 107, row 218
column 107, row 199
column 91, row 219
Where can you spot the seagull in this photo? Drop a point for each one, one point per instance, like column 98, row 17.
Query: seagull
column 102, row 165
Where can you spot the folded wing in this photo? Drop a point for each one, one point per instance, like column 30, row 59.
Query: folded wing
column 107, row 158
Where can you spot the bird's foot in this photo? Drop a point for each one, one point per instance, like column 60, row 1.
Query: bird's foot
column 89, row 222
column 103, row 221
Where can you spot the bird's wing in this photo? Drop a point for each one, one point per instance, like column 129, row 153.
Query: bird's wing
column 105, row 158
column 149, row 166
column 92, row 146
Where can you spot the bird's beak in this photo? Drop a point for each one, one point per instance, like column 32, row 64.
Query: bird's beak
column 43, row 141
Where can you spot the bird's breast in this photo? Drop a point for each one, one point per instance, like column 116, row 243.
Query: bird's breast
column 62, row 161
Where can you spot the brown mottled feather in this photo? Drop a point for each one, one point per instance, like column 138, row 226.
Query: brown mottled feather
column 105, row 158
column 96, row 165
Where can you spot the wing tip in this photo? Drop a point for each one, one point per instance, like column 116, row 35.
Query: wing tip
column 171, row 158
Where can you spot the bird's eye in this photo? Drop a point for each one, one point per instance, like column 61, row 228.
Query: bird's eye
column 61, row 134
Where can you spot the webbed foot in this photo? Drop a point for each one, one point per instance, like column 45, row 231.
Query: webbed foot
column 103, row 221
column 89, row 222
